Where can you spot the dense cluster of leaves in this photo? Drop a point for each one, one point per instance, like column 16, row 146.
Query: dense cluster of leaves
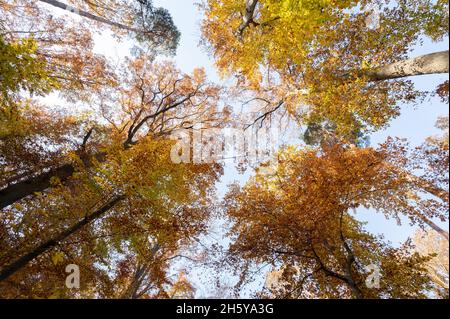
column 297, row 215
column 317, row 56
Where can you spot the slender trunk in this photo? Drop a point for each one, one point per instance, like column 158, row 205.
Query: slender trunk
column 433, row 63
column 435, row 227
column 428, row 187
column 90, row 16
column 136, row 283
column 346, row 278
column 135, row 290
column 10, row 269
column 357, row 293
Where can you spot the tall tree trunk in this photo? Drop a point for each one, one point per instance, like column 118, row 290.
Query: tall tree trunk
column 137, row 288
column 12, row 268
column 39, row 183
column 433, row 190
column 428, row 187
column 136, row 281
column 432, row 225
column 91, row 16
column 350, row 260
column 433, row 63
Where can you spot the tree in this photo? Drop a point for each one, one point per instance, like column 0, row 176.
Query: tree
column 321, row 249
column 153, row 98
column 423, row 169
column 322, row 59
column 26, row 126
column 20, row 71
column 63, row 47
column 153, row 26
column 138, row 194
column 296, row 214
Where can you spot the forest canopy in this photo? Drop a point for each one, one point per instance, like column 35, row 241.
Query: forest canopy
column 98, row 184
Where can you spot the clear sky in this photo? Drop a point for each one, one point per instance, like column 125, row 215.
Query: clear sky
column 415, row 122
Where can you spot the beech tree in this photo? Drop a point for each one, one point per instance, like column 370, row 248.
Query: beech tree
column 296, row 215
column 153, row 26
column 152, row 98
column 322, row 59
column 20, row 71
column 126, row 204
column 63, row 47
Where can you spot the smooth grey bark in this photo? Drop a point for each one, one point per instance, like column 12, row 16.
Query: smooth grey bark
column 91, row 16
column 250, row 7
column 433, row 63
column 433, row 226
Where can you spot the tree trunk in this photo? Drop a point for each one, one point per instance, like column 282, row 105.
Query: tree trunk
column 428, row 187
column 350, row 260
column 135, row 290
column 10, row 269
column 433, row 63
column 250, row 7
column 15, row 192
column 435, row 227
column 90, row 16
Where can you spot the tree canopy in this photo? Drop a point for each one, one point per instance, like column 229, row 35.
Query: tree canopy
column 324, row 59
column 90, row 189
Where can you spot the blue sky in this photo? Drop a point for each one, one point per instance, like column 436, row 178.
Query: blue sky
column 415, row 122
